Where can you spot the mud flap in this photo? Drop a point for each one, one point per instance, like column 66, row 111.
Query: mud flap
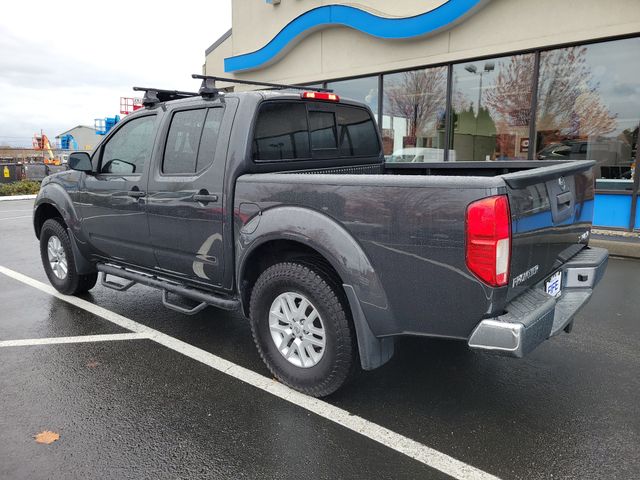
column 83, row 266
column 374, row 351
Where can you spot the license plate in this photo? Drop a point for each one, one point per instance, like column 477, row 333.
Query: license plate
column 553, row 286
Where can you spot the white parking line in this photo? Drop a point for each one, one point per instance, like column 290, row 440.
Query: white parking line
column 80, row 339
column 17, row 198
column 422, row 453
column 13, row 218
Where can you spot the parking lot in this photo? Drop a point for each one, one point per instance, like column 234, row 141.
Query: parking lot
column 138, row 391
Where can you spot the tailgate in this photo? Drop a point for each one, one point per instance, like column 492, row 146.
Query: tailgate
column 551, row 211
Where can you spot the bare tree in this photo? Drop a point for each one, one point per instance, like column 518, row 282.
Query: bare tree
column 569, row 102
column 419, row 96
column 509, row 98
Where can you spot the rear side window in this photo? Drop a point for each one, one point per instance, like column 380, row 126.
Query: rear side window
column 209, row 138
column 356, row 132
column 281, row 132
column 192, row 140
column 181, row 151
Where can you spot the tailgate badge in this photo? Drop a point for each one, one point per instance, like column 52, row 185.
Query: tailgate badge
column 584, row 238
column 523, row 277
column 563, row 183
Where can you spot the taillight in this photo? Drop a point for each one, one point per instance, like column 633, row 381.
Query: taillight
column 329, row 97
column 489, row 239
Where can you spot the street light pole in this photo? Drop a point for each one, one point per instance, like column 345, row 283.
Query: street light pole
column 471, row 68
column 42, row 140
column 480, row 94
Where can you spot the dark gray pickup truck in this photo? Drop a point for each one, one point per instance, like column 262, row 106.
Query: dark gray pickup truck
column 279, row 204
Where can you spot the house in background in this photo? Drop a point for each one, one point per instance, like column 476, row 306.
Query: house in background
column 85, row 138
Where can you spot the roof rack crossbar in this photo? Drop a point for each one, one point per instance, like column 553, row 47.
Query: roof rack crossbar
column 156, row 95
column 261, row 84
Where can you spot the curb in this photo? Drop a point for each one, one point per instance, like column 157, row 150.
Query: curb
column 17, row 197
column 617, row 247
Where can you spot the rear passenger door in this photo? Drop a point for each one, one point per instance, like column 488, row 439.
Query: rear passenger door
column 185, row 197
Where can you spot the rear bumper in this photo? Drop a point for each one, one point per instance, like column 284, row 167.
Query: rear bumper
column 535, row 316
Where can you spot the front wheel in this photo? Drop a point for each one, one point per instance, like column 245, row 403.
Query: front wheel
column 58, row 261
column 302, row 328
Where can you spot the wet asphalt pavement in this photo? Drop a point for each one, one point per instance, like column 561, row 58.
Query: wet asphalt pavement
column 136, row 409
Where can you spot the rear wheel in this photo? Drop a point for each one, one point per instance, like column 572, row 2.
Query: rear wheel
column 58, row 261
column 302, row 328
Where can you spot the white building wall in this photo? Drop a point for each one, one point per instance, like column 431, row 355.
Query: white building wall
column 336, row 52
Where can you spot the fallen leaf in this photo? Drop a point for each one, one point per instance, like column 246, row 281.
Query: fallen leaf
column 93, row 364
column 46, row 437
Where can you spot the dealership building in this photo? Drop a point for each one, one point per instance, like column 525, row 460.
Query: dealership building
column 461, row 80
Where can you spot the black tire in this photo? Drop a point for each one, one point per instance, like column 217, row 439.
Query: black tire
column 340, row 353
column 72, row 283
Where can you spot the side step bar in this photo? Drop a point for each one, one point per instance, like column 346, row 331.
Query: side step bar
column 205, row 298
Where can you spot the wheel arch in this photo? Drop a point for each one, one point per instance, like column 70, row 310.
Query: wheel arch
column 44, row 212
column 312, row 231
column 53, row 201
column 275, row 250
column 289, row 233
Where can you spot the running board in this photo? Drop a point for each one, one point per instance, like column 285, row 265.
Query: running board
column 205, row 298
column 120, row 287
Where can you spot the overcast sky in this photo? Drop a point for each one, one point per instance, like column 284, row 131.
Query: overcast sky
column 65, row 63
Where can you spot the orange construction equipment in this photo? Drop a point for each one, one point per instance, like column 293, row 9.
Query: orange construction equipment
column 41, row 142
column 129, row 105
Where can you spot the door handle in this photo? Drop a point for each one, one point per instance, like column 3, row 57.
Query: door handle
column 136, row 193
column 205, row 197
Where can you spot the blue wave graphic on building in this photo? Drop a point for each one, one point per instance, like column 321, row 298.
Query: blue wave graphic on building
column 426, row 23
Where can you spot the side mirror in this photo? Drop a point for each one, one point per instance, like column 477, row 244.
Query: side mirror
column 80, row 161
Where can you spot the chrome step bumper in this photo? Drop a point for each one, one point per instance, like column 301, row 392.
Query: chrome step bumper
column 535, row 316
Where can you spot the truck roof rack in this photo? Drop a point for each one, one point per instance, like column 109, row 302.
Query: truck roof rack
column 208, row 84
column 153, row 96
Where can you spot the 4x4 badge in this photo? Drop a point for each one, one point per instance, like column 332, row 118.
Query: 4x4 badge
column 563, row 183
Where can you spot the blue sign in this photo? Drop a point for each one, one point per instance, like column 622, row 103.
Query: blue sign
column 445, row 16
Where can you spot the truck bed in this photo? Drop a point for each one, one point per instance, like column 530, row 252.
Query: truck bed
column 409, row 220
column 462, row 169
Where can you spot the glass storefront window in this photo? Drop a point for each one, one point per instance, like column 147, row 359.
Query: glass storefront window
column 589, row 107
column 491, row 108
column 413, row 113
column 364, row 90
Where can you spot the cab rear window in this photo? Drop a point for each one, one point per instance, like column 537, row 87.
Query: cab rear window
column 356, row 132
column 290, row 130
column 281, row 132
